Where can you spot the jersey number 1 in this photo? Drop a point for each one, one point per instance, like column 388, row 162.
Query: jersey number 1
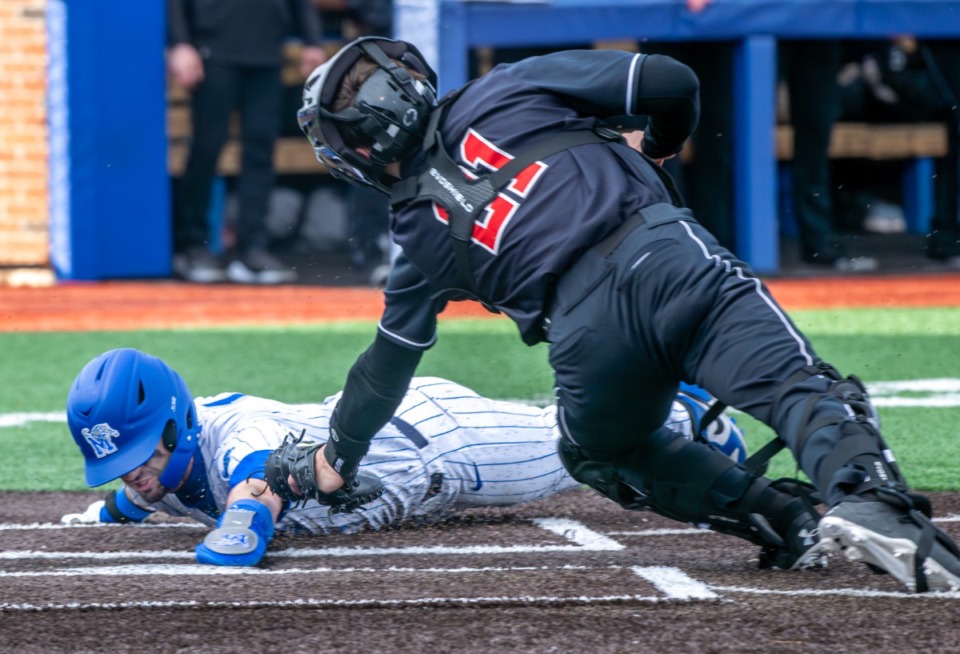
column 478, row 151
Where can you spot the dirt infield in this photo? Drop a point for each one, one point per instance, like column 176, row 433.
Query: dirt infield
column 164, row 304
column 573, row 573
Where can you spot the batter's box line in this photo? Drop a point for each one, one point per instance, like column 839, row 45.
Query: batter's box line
column 837, row 592
column 697, row 531
column 311, row 603
column 41, row 526
column 582, row 539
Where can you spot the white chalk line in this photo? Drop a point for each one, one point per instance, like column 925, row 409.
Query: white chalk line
column 837, row 592
column 676, row 586
column 33, row 526
column 695, row 531
column 188, row 570
column 675, row 583
column 437, row 602
column 582, row 540
column 932, row 393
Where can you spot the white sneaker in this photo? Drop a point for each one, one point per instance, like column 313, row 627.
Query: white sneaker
column 259, row 267
column 199, row 266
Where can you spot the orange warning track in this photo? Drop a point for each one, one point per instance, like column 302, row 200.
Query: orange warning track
column 167, row 304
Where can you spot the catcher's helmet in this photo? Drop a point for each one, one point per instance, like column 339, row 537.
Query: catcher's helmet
column 120, row 407
column 390, row 112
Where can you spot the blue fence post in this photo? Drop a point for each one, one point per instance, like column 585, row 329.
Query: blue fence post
column 755, row 171
column 110, row 191
column 918, row 195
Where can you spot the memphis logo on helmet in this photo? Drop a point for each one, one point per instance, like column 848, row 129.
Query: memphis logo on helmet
column 100, row 437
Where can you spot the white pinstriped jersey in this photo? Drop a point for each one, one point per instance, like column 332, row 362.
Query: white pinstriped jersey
column 446, row 449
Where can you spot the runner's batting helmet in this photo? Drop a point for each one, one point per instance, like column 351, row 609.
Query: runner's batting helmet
column 390, row 112
column 121, row 405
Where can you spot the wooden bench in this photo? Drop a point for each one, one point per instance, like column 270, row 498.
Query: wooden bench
column 878, row 142
column 293, row 154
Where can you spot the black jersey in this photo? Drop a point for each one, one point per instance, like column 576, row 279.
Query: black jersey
column 242, row 32
column 556, row 208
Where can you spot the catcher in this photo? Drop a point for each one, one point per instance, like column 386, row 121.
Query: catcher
column 445, row 449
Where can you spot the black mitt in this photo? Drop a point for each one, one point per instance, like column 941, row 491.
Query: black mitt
column 295, row 459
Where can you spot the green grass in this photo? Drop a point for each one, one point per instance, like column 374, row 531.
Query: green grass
column 308, row 363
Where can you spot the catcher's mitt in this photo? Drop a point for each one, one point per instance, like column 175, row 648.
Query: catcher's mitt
column 294, row 458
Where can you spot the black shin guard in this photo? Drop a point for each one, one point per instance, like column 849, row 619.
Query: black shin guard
column 693, row 483
column 859, row 461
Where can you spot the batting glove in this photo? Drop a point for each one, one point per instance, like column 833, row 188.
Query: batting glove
column 115, row 508
column 89, row 517
column 241, row 536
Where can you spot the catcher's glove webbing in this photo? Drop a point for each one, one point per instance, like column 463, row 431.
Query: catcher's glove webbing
column 295, row 459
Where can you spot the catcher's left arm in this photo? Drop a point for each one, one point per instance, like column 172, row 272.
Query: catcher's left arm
column 291, row 471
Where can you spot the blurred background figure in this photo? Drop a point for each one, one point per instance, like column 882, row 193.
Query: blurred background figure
column 368, row 234
column 903, row 80
column 808, row 70
column 229, row 54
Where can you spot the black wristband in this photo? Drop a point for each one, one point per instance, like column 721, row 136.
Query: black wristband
column 345, row 465
column 110, row 504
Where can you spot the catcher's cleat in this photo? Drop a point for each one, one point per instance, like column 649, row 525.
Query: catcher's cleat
column 893, row 537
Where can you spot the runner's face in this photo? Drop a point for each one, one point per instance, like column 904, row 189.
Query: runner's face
column 145, row 479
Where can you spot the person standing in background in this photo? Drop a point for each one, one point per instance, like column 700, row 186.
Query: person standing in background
column 809, row 69
column 229, row 54
column 368, row 234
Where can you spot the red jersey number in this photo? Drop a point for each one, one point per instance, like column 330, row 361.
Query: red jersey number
column 479, row 152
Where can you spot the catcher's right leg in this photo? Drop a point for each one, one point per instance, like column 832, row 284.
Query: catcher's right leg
column 694, row 483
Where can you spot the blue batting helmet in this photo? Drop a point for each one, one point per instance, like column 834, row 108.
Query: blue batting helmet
column 121, row 405
column 722, row 433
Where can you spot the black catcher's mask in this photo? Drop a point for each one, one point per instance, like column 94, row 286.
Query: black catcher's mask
column 390, row 113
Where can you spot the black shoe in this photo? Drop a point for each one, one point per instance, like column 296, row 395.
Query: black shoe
column 899, row 540
column 944, row 245
column 259, row 267
column 785, row 518
column 198, row 265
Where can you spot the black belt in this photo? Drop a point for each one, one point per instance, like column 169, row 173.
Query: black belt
column 418, row 439
column 655, row 214
column 410, row 432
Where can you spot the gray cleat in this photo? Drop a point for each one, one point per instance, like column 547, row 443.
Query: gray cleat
column 900, row 541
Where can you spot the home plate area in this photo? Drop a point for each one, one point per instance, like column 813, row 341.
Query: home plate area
column 571, row 573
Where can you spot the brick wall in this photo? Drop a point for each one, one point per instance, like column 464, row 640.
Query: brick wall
column 23, row 134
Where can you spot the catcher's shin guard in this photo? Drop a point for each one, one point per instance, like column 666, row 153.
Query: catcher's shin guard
column 836, row 409
column 691, row 482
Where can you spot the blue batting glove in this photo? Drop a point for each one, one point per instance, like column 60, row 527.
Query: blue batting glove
column 241, row 536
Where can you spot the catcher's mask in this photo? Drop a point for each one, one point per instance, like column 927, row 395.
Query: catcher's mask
column 121, row 405
column 391, row 110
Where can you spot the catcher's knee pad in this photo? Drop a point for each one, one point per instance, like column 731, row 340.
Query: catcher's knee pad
column 601, row 476
column 837, row 410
